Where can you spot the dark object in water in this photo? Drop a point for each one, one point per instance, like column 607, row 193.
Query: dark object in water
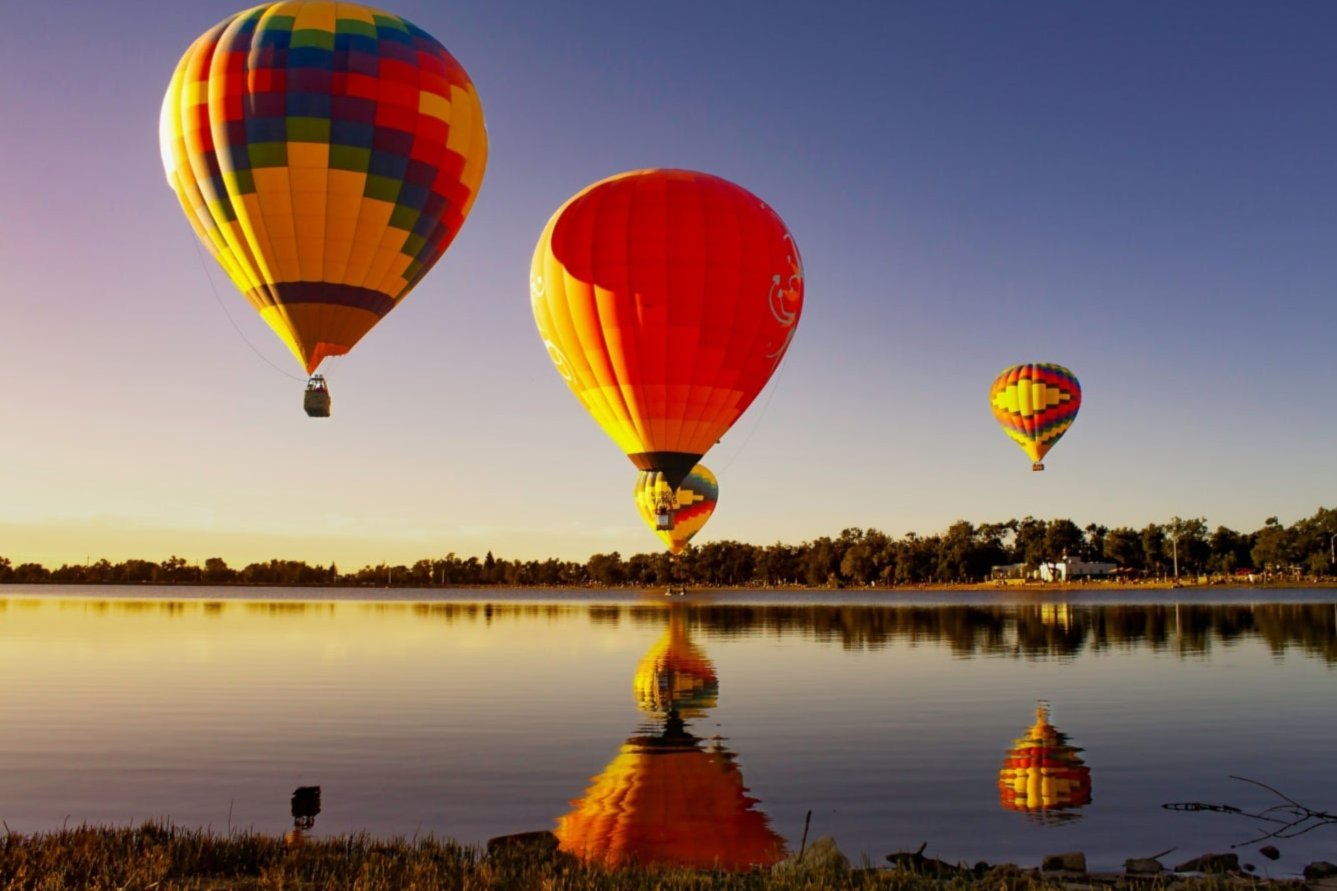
column 316, row 400
column 305, row 806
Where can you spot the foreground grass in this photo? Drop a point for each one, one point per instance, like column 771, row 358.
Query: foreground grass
column 157, row 858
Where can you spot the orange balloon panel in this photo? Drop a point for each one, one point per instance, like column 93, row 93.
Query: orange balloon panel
column 666, row 298
column 667, row 801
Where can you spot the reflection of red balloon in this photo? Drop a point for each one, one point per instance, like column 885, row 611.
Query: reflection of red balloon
column 1043, row 775
column 666, row 298
column 665, row 800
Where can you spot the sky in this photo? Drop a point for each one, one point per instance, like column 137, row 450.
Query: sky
column 1141, row 192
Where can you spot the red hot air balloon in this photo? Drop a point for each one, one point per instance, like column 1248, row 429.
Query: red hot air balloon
column 666, row 299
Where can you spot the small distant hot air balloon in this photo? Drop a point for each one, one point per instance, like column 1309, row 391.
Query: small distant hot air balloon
column 676, row 515
column 326, row 154
column 1035, row 404
column 666, row 299
column 676, row 676
column 1043, row 775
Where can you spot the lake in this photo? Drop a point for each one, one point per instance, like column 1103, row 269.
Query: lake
column 991, row 726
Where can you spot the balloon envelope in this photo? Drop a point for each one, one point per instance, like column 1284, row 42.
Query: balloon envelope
column 1035, row 404
column 676, row 515
column 326, row 154
column 666, row 298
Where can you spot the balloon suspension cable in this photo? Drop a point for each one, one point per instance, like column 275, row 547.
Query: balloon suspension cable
column 199, row 250
column 774, row 385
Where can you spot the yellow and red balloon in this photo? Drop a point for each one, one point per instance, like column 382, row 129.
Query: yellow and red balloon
column 676, row 515
column 1035, row 404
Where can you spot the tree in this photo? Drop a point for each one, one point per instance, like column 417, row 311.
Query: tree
column 1124, row 547
column 1273, row 548
column 1153, row 547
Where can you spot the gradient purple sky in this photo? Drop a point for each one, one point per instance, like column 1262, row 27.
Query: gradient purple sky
column 1143, row 192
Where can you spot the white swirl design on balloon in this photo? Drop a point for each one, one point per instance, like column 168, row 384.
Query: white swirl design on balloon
column 536, row 295
column 785, row 289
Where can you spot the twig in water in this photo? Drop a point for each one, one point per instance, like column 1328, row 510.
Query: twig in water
column 1295, row 818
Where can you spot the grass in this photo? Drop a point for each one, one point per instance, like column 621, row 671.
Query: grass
column 154, row 857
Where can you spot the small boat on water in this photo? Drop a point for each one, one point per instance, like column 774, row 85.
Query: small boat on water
column 675, row 592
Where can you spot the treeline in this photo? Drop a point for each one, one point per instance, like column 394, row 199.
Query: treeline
column 964, row 553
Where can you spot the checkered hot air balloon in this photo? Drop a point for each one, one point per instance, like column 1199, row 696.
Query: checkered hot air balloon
column 666, row 298
column 676, row 515
column 326, row 154
column 1035, row 404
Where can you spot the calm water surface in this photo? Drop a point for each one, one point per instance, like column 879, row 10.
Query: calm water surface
column 681, row 729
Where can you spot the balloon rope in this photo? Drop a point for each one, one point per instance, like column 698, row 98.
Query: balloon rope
column 205, row 266
column 774, row 385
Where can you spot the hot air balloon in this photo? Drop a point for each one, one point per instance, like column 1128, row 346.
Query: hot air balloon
column 326, row 154
column 1043, row 775
column 666, row 299
column 676, row 676
column 676, row 514
column 1035, row 404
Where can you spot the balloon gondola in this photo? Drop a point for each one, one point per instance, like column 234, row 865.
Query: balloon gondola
column 326, row 154
column 1035, row 404
column 316, row 399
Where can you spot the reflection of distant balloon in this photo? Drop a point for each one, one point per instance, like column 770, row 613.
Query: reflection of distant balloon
column 676, row 516
column 665, row 800
column 675, row 675
column 1043, row 775
column 1035, row 404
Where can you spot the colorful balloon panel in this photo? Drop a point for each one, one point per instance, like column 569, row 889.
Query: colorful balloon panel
column 666, row 299
column 1043, row 774
column 692, row 504
column 326, row 154
column 1035, row 404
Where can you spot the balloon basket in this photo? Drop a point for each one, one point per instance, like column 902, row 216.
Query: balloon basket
column 316, row 400
column 1037, row 466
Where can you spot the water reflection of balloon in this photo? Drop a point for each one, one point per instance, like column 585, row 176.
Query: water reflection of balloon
column 675, row 675
column 1043, row 775
column 1035, row 404
column 676, row 515
column 666, row 299
column 326, row 155
column 670, row 798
